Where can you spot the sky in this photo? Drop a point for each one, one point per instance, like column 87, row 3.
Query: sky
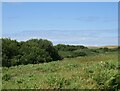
column 88, row 23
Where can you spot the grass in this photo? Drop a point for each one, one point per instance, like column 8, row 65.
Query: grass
column 89, row 72
column 85, row 52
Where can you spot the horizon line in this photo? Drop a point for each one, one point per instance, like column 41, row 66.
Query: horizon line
column 62, row 43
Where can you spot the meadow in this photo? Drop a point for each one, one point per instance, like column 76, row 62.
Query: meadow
column 83, row 72
column 60, row 45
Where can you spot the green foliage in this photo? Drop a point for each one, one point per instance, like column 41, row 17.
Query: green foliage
column 36, row 51
column 9, row 50
column 19, row 81
column 114, row 82
column 6, row 77
column 91, row 69
column 62, row 47
column 30, row 52
column 107, row 75
column 33, row 55
column 89, row 72
column 79, row 53
column 104, row 50
column 73, row 54
column 85, row 52
column 57, row 82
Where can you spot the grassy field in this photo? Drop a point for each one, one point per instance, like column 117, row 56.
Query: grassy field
column 89, row 72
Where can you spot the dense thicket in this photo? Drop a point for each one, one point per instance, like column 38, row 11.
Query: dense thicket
column 32, row 51
column 62, row 47
column 36, row 51
column 71, row 51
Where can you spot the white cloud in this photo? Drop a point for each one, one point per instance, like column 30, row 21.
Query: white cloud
column 69, row 37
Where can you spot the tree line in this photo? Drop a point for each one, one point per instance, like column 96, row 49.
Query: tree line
column 32, row 51
column 63, row 47
column 35, row 51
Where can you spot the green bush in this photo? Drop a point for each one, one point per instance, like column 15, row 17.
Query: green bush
column 6, row 77
column 107, row 76
column 80, row 54
column 9, row 50
column 62, row 47
column 72, row 54
column 114, row 82
column 32, row 51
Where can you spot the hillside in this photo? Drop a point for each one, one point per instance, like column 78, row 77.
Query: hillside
column 111, row 47
column 108, row 46
column 90, row 72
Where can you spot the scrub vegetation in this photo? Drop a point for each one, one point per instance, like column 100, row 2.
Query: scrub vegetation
column 37, row 64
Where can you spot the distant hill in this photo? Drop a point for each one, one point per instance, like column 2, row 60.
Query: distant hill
column 109, row 46
column 112, row 46
column 93, row 47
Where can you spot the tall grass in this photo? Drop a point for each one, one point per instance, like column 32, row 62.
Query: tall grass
column 90, row 72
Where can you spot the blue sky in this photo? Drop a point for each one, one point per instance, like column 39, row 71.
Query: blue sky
column 66, row 23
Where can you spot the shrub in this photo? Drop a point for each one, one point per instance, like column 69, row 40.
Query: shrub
column 30, row 52
column 6, row 77
column 62, row 47
column 113, row 82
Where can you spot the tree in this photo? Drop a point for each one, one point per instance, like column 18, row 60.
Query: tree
column 30, row 52
column 9, row 50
